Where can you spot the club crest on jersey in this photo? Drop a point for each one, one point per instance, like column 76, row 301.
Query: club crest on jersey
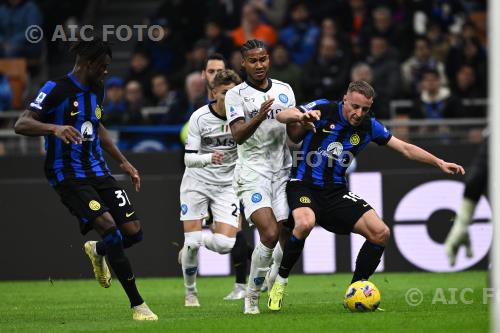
column 283, row 98
column 354, row 139
column 334, row 149
column 87, row 131
column 98, row 112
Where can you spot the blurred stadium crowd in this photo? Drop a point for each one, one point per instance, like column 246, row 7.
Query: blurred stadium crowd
column 432, row 53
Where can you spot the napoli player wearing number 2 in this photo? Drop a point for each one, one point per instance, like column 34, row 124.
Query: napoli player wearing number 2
column 67, row 111
column 333, row 134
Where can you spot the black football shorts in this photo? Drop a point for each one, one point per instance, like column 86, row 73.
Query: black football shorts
column 91, row 197
column 336, row 208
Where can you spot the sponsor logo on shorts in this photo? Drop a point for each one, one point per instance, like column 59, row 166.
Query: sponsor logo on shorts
column 365, row 205
column 129, row 214
column 354, row 140
column 94, row 205
column 283, row 98
column 305, row 200
column 256, row 197
column 184, row 209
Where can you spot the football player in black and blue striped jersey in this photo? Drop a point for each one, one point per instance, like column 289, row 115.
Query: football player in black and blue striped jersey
column 317, row 191
column 67, row 111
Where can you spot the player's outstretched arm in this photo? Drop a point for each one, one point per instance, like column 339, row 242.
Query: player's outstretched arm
column 291, row 115
column 108, row 145
column 195, row 160
column 30, row 125
column 242, row 130
column 416, row 153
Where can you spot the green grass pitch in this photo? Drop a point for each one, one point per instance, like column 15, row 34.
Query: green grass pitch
column 313, row 304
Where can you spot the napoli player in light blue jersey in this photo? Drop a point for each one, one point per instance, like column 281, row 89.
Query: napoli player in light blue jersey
column 317, row 191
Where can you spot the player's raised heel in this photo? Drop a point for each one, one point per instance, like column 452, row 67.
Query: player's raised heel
column 238, row 292
column 143, row 312
column 191, row 300
column 251, row 305
column 276, row 296
column 101, row 270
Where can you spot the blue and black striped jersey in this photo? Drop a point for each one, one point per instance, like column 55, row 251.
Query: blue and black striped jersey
column 327, row 153
column 65, row 101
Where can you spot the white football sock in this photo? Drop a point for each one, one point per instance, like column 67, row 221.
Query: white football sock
column 281, row 279
column 261, row 259
column 277, row 256
column 189, row 259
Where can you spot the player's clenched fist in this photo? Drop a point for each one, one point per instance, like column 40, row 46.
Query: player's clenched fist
column 217, row 157
column 68, row 134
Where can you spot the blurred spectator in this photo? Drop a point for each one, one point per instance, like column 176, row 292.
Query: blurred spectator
column 465, row 87
column 328, row 74
column 273, row 10
column 5, row 93
column 468, row 52
column 412, row 68
column 386, row 75
column 363, row 72
column 253, row 28
column 167, row 54
column 438, row 42
column 195, row 92
column 195, row 60
column 217, row 40
column 187, row 17
column 286, row 71
column 114, row 107
column 435, row 101
column 227, row 12
column 140, row 70
column 170, row 100
column 15, row 17
column 301, row 35
column 382, row 25
column 330, row 28
column 358, row 15
column 134, row 98
column 235, row 63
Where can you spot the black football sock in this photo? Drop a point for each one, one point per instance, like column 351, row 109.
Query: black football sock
column 291, row 253
column 128, row 241
column 367, row 262
column 121, row 266
column 239, row 256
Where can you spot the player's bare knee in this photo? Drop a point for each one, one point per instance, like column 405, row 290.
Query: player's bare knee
column 381, row 236
column 270, row 237
column 303, row 227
